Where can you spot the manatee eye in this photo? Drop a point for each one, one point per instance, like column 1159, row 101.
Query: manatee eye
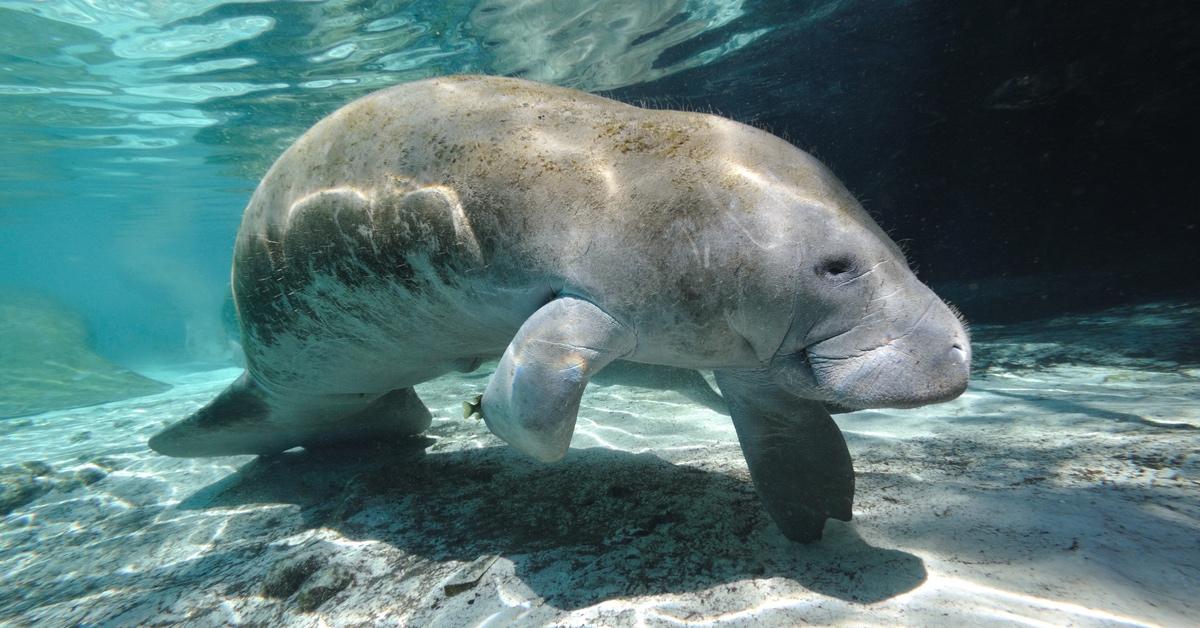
column 837, row 267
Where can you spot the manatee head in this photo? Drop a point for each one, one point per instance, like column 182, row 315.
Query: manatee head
column 872, row 335
column 834, row 310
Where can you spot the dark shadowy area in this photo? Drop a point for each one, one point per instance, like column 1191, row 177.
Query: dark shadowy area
column 1156, row 337
column 995, row 140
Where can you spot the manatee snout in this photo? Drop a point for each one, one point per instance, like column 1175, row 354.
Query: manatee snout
column 895, row 361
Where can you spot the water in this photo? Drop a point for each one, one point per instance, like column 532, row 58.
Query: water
column 1029, row 158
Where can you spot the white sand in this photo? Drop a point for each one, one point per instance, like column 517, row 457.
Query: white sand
column 1053, row 492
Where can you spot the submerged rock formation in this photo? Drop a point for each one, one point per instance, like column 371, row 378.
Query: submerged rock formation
column 46, row 363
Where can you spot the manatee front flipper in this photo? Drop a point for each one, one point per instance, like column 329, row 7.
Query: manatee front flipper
column 533, row 398
column 797, row 456
column 236, row 422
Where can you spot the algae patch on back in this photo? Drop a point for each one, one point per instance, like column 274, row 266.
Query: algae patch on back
column 46, row 364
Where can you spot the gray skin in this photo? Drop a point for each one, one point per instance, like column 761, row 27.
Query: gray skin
column 428, row 227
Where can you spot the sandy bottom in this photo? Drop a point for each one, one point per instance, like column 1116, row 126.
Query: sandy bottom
column 1063, row 488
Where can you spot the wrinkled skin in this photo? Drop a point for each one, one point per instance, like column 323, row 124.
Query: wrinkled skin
column 433, row 225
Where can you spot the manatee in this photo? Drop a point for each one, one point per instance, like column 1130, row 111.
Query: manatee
column 427, row 227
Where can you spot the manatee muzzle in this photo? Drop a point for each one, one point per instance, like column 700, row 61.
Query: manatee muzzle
column 880, row 366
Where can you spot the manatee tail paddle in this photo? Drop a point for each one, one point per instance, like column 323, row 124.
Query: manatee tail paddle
column 242, row 421
column 236, row 422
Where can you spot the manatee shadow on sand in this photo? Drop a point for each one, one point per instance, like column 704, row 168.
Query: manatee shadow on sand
column 601, row 524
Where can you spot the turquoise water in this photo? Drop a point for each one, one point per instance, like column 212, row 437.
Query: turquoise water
column 1026, row 157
